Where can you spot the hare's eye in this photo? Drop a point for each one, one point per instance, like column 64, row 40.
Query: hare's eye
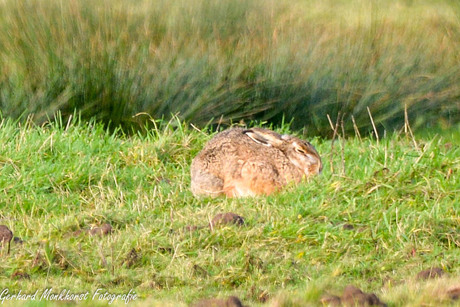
column 301, row 151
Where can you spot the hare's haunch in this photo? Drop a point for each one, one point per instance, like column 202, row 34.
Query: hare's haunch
column 245, row 162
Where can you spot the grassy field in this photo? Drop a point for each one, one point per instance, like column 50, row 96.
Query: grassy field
column 227, row 60
column 380, row 212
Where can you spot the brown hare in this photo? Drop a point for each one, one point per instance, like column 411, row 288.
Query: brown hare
column 247, row 162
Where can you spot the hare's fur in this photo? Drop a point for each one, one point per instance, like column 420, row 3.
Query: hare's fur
column 246, row 162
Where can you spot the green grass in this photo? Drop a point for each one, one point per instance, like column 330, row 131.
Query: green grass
column 227, row 60
column 402, row 200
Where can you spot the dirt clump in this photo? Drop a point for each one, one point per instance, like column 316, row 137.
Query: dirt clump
column 6, row 235
column 131, row 258
column 331, row 300
column 103, row 230
column 434, row 272
column 222, row 219
column 352, row 296
column 262, row 296
column 454, row 293
column 20, row 275
column 39, row 261
column 231, row 301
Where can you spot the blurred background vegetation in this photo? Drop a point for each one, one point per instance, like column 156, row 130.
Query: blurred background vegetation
column 219, row 61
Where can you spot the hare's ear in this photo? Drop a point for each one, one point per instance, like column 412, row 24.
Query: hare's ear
column 266, row 139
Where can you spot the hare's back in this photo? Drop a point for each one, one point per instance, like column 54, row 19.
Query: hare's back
column 230, row 136
column 234, row 144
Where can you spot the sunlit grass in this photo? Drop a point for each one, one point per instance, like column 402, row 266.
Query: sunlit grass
column 402, row 202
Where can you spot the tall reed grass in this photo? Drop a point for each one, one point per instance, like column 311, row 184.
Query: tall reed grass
column 225, row 60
